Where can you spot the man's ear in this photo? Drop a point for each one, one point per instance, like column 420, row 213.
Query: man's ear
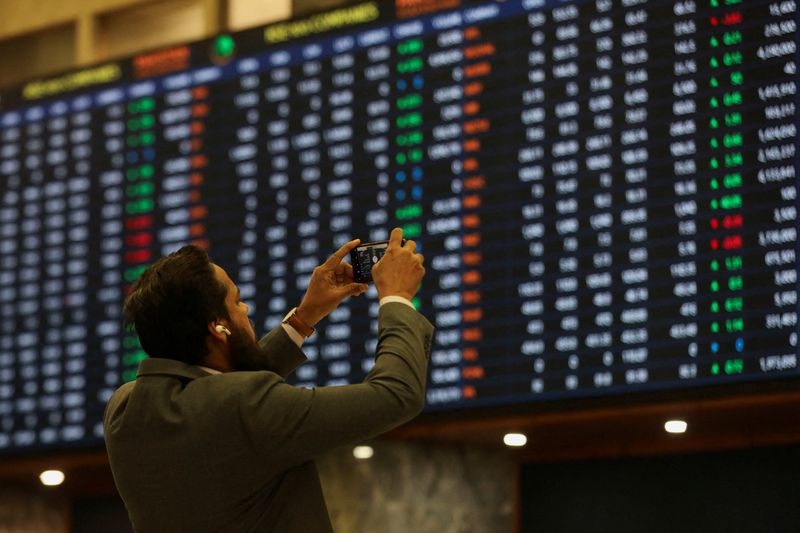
column 219, row 331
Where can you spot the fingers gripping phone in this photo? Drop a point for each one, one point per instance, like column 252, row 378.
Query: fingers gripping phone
column 364, row 256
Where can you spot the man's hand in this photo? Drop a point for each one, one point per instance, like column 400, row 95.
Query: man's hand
column 331, row 282
column 400, row 270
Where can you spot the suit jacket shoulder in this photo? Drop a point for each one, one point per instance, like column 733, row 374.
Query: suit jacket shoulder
column 234, row 452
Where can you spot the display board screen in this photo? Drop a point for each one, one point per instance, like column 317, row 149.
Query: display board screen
column 604, row 191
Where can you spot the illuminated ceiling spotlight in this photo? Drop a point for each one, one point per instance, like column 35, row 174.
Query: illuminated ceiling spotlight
column 363, row 452
column 515, row 439
column 52, row 478
column 675, row 426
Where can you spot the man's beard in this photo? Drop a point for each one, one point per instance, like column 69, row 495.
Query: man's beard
column 245, row 352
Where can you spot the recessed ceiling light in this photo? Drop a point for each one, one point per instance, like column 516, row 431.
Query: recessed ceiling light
column 515, row 439
column 675, row 426
column 52, row 478
column 363, row 452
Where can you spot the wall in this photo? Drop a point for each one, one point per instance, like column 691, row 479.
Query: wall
column 27, row 55
column 404, row 487
column 744, row 490
column 25, row 508
column 46, row 36
column 305, row 7
column 421, row 488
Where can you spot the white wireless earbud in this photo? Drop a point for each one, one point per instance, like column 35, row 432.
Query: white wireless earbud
column 222, row 329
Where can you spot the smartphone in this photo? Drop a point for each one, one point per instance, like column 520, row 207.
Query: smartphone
column 364, row 256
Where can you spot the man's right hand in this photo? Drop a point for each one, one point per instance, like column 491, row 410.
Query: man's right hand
column 400, row 270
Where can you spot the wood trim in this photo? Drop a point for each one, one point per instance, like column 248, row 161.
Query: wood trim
column 85, row 38
column 591, row 432
column 733, row 422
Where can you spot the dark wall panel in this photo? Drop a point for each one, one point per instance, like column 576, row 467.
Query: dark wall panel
column 100, row 515
column 751, row 490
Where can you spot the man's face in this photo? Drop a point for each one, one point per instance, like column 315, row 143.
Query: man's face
column 237, row 309
column 245, row 353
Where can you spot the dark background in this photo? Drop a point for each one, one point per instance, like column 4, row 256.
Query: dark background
column 747, row 490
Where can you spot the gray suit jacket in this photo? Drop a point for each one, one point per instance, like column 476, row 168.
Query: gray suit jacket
column 193, row 452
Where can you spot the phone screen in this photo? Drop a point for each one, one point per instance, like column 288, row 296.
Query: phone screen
column 364, row 256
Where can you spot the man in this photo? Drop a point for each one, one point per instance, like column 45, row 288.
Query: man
column 209, row 437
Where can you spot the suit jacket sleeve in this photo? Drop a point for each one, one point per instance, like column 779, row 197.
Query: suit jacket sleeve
column 288, row 425
column 282, row 355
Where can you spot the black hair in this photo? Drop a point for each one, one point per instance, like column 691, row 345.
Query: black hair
column 172, row 303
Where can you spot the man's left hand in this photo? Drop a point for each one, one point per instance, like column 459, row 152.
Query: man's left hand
column 331, row 282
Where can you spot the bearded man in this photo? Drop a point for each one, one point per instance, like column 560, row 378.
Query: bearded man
column 209, row 437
